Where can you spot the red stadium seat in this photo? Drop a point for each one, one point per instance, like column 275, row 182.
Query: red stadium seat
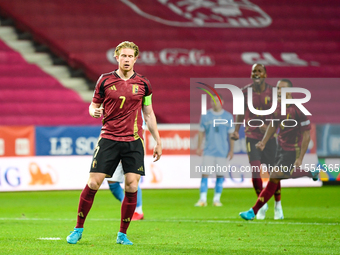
column 304, row 42
column 30, row 96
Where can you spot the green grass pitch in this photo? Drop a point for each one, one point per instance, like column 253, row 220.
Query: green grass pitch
column 172, row 224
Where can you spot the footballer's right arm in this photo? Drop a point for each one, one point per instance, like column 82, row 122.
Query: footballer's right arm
column 199, row 150
column 271, row 129
column 95, row 110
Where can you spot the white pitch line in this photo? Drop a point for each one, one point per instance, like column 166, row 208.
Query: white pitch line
column 250, row 222
column 49, row 238
column 281, row 222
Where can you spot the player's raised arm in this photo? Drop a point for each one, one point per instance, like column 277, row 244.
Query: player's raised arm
column 151, row 123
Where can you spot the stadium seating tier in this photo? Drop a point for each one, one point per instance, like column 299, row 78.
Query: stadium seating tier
column 299, row 41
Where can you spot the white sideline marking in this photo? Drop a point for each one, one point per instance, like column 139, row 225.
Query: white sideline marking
column 49, row 238
column 280, row 222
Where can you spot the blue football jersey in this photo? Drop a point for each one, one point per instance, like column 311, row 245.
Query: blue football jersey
column 216, row 138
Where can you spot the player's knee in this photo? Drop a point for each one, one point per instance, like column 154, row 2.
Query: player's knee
column 93, row 184
column 275, row 180
column 131, row 186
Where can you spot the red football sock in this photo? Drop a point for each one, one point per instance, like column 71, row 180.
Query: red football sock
column 128, row 208
column 298, row 173
column 265, row 195
column 277, row 194
column 85, row 204
column 256, row 176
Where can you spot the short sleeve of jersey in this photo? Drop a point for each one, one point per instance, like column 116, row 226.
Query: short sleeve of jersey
column 202, row 127
column 304, row 121
column 99, row 92
column 148, row 88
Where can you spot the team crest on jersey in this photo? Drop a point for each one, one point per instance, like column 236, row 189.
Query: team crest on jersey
column 134, row 88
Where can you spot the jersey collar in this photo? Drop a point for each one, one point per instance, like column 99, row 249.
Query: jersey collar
column 217, row 113
column 116, row 74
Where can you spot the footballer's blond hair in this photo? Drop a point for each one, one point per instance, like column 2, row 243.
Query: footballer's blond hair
column 127, row 45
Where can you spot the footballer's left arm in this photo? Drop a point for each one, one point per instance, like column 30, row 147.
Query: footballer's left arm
column 151, row 123
column 231, row 149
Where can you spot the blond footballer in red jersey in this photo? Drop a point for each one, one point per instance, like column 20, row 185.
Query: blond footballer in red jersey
column 120, row 96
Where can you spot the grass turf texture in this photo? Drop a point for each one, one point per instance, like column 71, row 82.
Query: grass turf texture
column 172, row 224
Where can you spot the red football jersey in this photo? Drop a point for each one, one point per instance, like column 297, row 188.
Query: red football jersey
column 122, row 103
column 290, row 138
column 261, row 101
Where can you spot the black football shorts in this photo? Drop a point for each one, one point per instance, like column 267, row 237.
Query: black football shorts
column 285, row 161
column 108, row 153
column 267, row 156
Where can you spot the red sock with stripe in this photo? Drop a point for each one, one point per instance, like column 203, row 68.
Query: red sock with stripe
column 128, row 208
column 85, row 204
column 277, row 194
column 265, row 195
column 256, row 176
